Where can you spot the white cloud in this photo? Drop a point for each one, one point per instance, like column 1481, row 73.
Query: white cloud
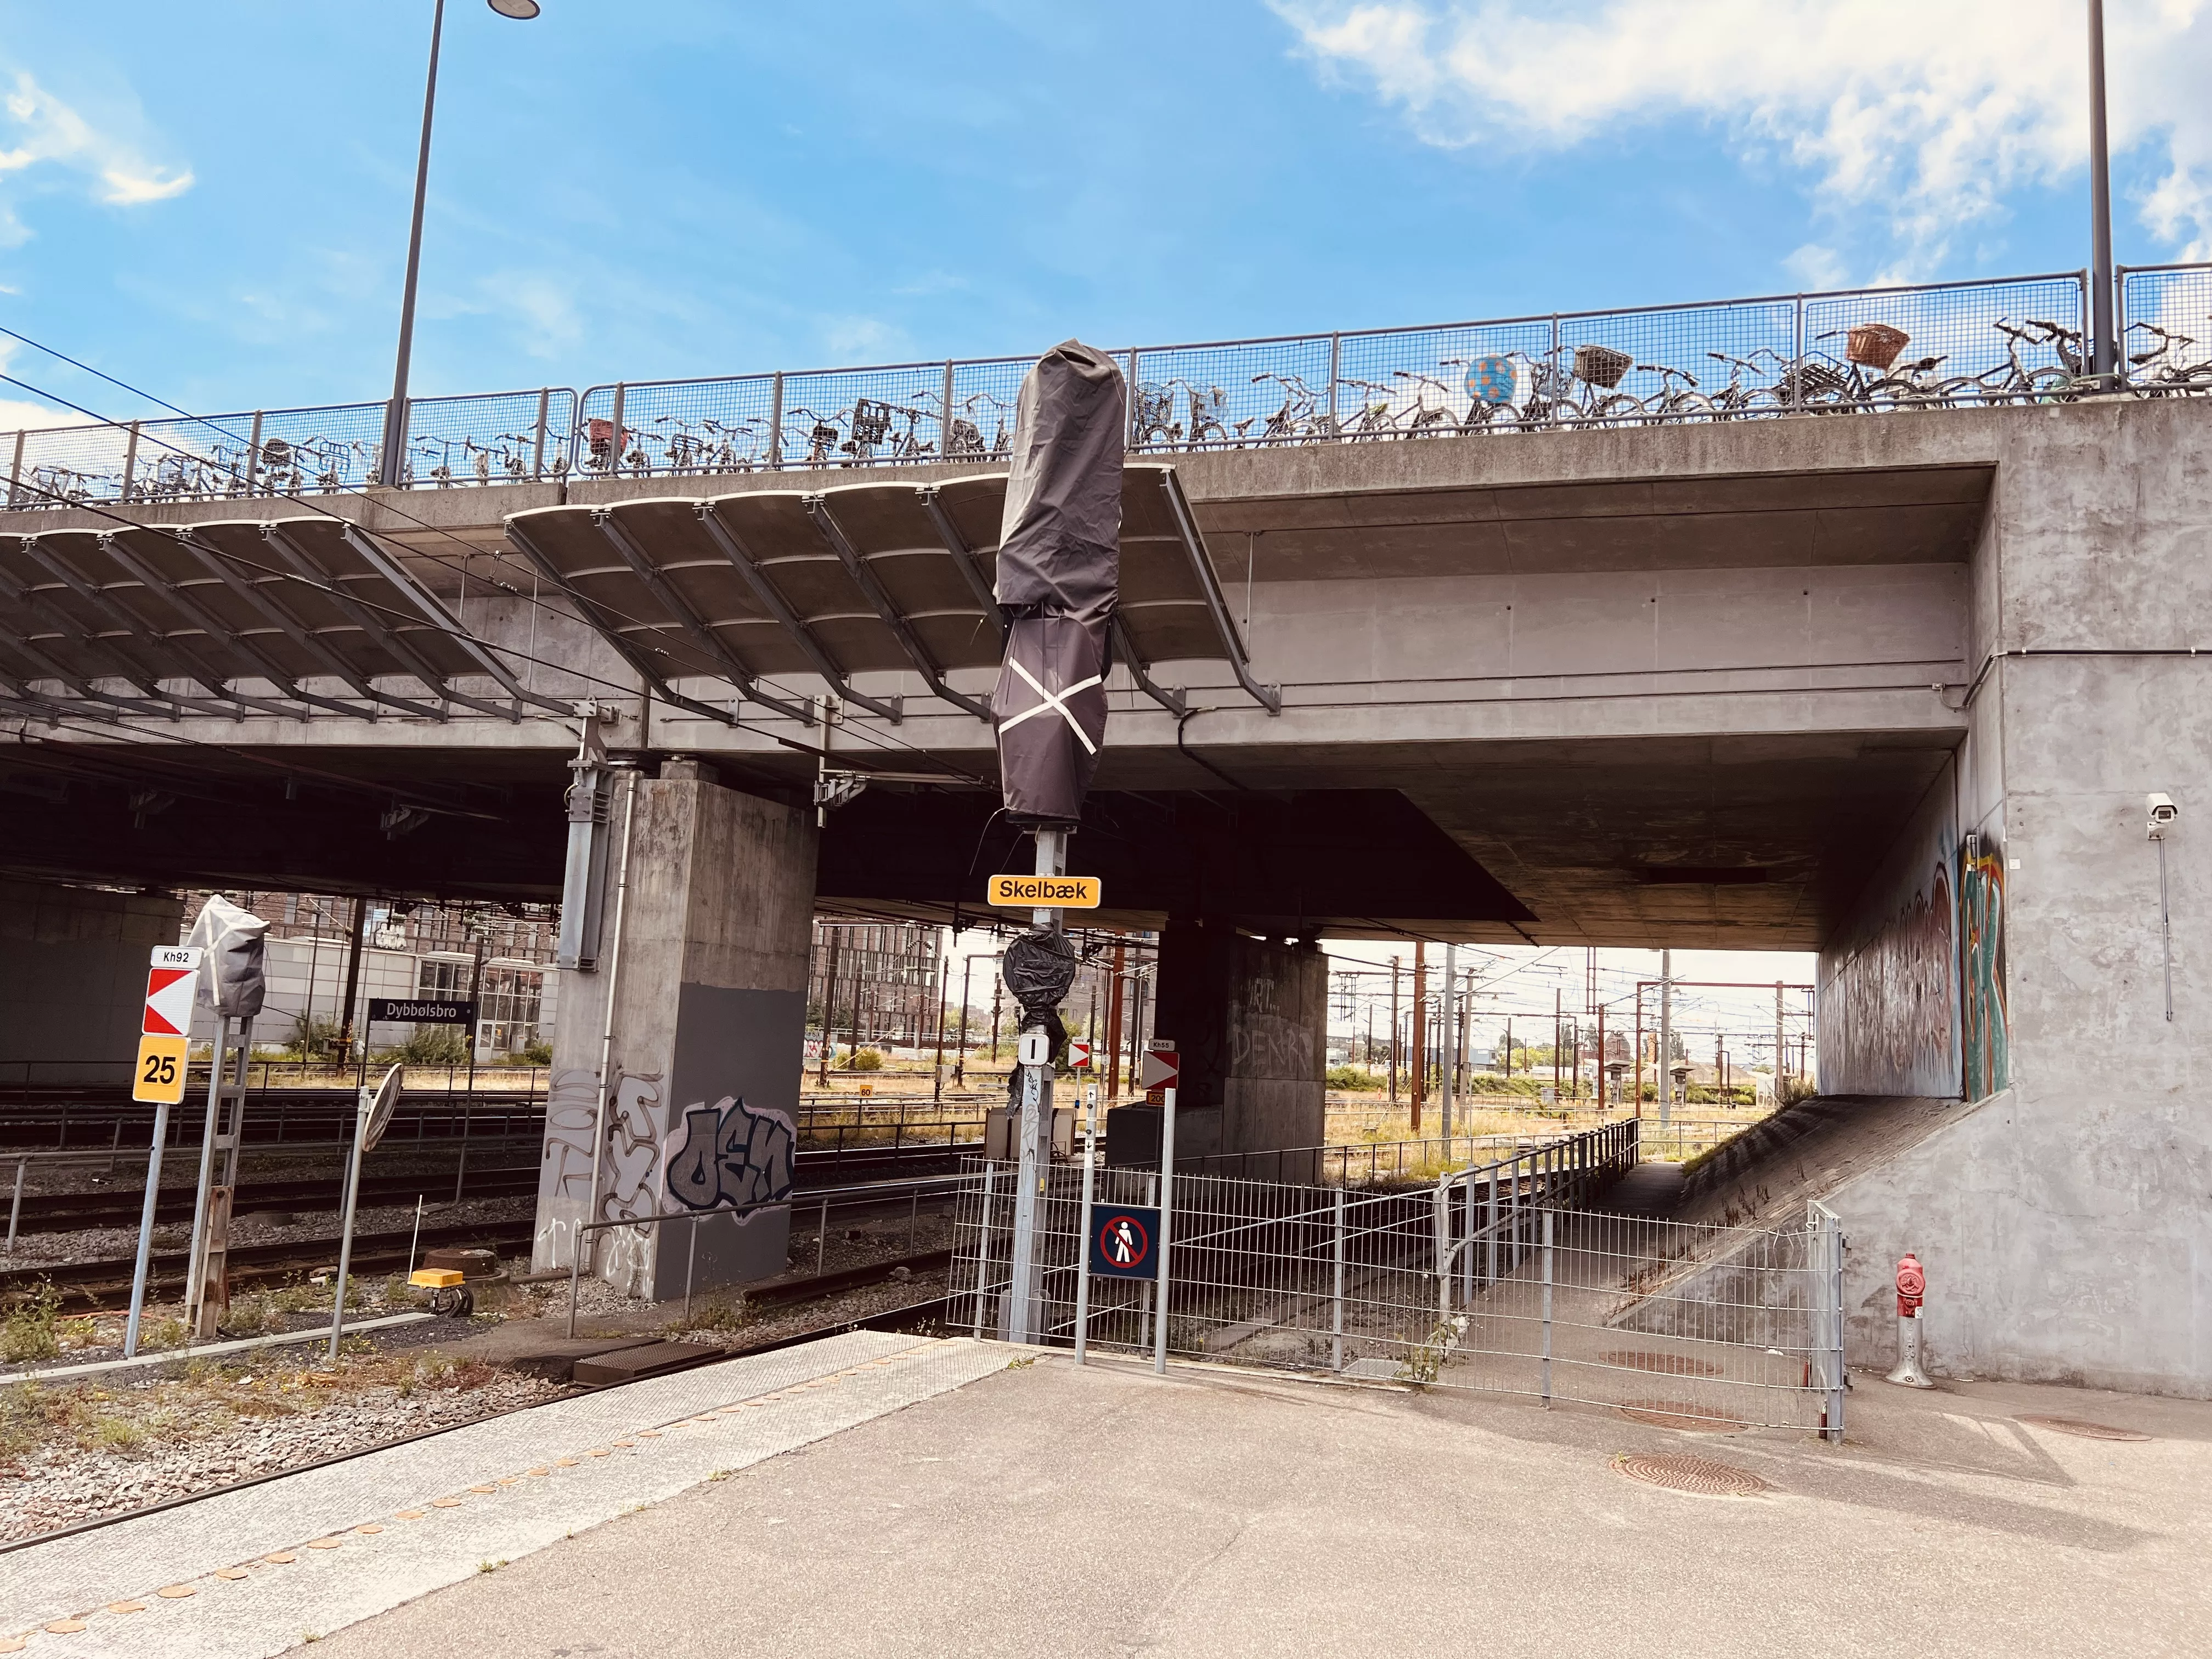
column 1919, row 114
column 41, row 130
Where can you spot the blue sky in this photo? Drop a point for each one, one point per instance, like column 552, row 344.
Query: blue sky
column 217, row 209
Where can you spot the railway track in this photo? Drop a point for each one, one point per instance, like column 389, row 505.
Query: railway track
column 104, row 1286
column 120, row 1205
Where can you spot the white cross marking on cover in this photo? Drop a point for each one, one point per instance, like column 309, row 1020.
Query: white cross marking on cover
column 1054, row 701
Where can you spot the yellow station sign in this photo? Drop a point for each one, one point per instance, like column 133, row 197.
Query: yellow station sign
column 1044, row 892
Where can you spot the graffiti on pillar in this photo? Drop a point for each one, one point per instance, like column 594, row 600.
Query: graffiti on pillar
column 1981, row 953
column 731, row 1154
column 571, row 1106
column 634, row 1136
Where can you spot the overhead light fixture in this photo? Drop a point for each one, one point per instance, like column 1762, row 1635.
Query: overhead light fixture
column 521, row 10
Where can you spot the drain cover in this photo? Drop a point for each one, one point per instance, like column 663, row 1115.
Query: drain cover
column 1682, row 1414
column 1701, row 1476
column 1666, row 1364
column 2081, row 1426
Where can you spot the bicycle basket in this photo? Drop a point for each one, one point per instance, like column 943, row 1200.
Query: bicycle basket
column 1601, row 365
column 1876, row 345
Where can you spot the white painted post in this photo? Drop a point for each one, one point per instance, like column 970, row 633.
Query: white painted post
column 1167, row 1206
column 1547, row 1307
column 1082, row 1236
column 1336, row 1318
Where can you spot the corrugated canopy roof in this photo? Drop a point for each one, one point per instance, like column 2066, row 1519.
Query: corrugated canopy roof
column 862, row 578
column 246, row 612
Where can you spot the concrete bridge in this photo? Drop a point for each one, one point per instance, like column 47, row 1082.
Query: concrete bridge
column 1894, row 688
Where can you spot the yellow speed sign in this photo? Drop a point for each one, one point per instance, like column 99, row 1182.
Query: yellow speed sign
column 160, row 1077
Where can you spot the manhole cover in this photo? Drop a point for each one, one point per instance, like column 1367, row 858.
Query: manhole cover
column 1682, row 1414
column 1701, row 1476
column 1665, row 1364
column 2081, row 1427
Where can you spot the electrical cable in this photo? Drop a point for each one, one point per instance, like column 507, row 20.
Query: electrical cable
column 469, row 550
column 240, row 559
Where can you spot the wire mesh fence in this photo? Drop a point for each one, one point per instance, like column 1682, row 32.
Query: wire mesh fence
column 1496, row 1277
column 2165, row 328
column 1870, row 351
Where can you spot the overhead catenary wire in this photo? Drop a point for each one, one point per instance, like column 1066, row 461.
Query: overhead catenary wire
column 469, row 550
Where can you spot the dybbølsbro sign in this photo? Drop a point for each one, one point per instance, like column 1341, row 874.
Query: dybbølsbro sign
column 394, row 1009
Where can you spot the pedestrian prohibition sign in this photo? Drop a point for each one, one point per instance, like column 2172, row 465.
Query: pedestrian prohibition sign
column 1121, row 1242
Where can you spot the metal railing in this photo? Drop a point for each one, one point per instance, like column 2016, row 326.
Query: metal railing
column 1492, row 1278
column 1867, row 351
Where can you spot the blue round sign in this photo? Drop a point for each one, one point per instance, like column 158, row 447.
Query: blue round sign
column 1489, row 379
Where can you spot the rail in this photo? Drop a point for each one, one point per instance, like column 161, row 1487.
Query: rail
column 1871, row 351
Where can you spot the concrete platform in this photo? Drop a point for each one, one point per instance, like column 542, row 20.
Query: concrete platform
column 259, row 1570
column 1041, row 1509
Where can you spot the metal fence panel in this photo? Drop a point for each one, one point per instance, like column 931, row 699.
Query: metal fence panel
column 1875, row 351
column 1494, row 1277
column 2166, row 326
column 675, row 428
column 502, row 437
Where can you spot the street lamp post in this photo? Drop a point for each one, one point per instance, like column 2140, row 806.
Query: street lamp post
column 391, row 459
column 2104, row 350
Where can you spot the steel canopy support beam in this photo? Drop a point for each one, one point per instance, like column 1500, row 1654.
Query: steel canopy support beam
column 1172, row 701
column 611, row 630
column 1269, row 697
column 298, row 632
column 310, row 571
column 741, row 559
column 446, row 622
column 963, row 557
column 693, row 624
column 214, row 627
column 132, row 672
column 818, row 508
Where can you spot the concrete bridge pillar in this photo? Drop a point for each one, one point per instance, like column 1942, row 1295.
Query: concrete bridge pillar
column 73, row 979
column 1250, row 1018
column 694, row 1108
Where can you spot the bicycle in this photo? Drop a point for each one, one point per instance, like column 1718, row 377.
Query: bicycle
column 1209, row 416
column 822, row 436
column 1298, row 418
column 2043, row 384
column 1153, row 423
column 2173, row 379
column 966, row 443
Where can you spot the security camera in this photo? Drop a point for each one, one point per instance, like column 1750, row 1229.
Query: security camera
column 2163, row 812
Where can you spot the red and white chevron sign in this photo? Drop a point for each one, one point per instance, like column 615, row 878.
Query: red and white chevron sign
column 170, row 982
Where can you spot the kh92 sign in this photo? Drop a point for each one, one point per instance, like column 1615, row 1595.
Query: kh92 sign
column 1121, row 1241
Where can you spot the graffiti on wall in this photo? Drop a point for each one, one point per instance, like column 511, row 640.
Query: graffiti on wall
column 731, row 1154
column 1889, row 1011
column 1982, row 961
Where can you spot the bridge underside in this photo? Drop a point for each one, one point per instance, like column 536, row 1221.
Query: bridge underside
column 1751, row 842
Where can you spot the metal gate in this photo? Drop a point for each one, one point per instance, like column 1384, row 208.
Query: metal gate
column 1494, row 1278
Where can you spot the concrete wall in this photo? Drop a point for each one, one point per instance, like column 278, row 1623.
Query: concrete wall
column 73, row 979
column 709, row 981
column 2066, row 1221
column 1250, row 1018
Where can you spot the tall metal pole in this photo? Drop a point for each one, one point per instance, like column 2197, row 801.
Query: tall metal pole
column 352, row 981
column 145, row 1228
column 1666, row 1035
column 2104, row 349
column 960, row 1064
column 1025, row 1300
column 1451, row 1036
column 1167, row 1226
column 395, row 414
column 345, row 1237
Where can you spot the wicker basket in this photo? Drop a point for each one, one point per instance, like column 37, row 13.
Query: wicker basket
column 1875, row 344
column 1601, row 365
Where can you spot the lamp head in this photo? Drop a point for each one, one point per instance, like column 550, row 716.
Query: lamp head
column 521, row 10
